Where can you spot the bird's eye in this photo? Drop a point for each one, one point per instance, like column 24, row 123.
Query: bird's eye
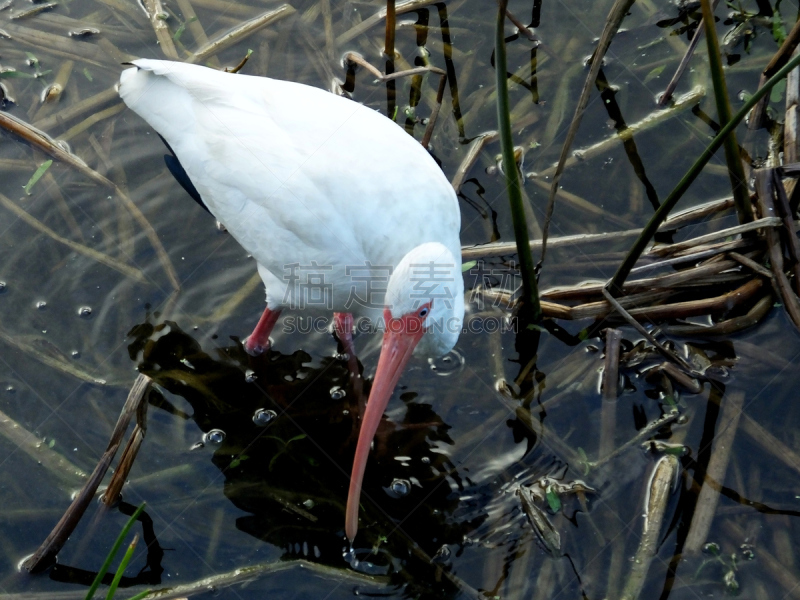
column 424, row 312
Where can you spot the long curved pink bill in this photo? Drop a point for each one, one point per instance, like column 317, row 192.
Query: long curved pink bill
column 395, row 352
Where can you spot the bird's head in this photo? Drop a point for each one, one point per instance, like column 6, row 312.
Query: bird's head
column 423, row 315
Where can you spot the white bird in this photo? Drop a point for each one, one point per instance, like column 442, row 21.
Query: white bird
column 343, row 211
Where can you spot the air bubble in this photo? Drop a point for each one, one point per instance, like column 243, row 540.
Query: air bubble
column 337, row 393
column 250, row 376
column 263, row 417
column 215, row 436
column 41, row 305
column 2, row 286
column 399, row 488
column 85, row 311
column 449, row 364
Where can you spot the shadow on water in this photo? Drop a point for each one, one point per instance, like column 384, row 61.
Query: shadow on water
column 284, row 434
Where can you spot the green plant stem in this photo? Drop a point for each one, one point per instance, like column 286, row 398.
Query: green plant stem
column 122, row 566
column 615, row 284
column 114, row 549
column 735, row 170
column 530, row 291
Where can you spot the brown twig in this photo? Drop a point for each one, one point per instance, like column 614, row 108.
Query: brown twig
column 120, row 476
column 391, row 16
column 426, row 138
column 728, row 326
column 46, row 553
column 667, row 95
column 783, row 287
column 779, row 59
column 469, row 160
column 790, row 237
column 523, row 29
column 608, row 419
column 665, row 352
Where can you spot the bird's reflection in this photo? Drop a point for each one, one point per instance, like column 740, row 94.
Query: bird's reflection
column 289, row 467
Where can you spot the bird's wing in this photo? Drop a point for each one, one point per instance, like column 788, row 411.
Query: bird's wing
column 288, row 166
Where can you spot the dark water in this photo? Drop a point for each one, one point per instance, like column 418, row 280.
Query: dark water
column 439, row 515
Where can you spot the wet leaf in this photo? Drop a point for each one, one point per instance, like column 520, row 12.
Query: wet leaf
column 14, row 74
column 468, row 265
column 778, row 30
column 553, row 501
column 654, row 73
column 776, row 95
column 37, row 175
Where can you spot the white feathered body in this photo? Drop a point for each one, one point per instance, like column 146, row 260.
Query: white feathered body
column 302, row 177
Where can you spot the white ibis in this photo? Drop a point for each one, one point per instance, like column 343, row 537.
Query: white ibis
column 343, row 211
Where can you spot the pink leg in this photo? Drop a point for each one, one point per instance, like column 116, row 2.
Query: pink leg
column 258, row 341
column 343, row 325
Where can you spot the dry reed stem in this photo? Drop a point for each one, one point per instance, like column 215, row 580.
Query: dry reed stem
column 656, row 500
column 29, row 345
column 791, row 136
column 790, row 237
column 714, row 477
column 45, row 143
column 113, row 263
column 662, row 349
column 57, row 45
column 53, row 190
column 35, row 447
column 193, row 24
column 523, row 29
column 728, row 326
column 78, row 109
column 608, row 416
column 241, row 32
column 677, row 310
column 613, row 20
column 667, row 95
column 92, row 121
column 687, row 101
column 426, row 138
column 768, row 223
column 783, row 288
column 779, row 59
column 369, row 22
column 691, row 384
column 586, row 208
column 47, row 552
column 466, row 165
column 158, row 20
column 751, row 264
column 502, row 248
column 770, row 443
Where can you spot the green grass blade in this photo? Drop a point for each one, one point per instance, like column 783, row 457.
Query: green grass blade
column 114, row 549
column 741, row 197
column 530, row 291
column 615, row 285
column 122, row 566
column 37, row 175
